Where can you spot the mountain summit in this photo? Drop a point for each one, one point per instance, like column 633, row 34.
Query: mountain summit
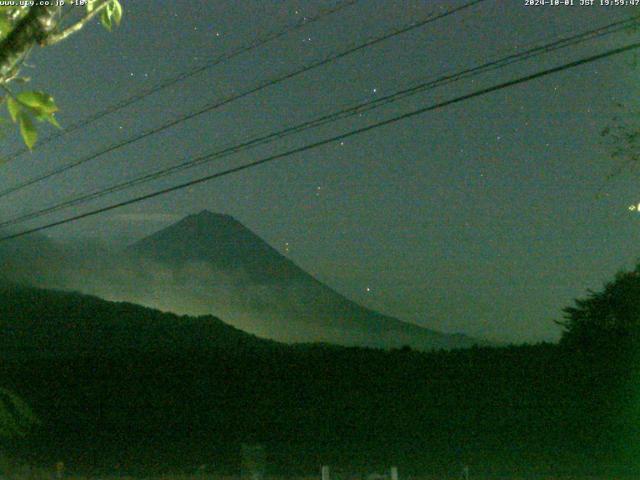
column 209, row 263
column 220, row 242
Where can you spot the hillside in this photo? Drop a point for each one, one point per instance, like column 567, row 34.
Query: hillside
column 59, row 324
column 117, row 384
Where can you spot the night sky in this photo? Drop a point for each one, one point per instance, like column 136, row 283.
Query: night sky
column 481, row 217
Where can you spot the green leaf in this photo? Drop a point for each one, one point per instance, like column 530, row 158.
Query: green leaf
column 14, row 108
column 27, row 130
column 53, row 121
column 105, row 19
column 41, row 102
column 117, row 12
column 5, row 26
column 112, row 14
column 48, row 117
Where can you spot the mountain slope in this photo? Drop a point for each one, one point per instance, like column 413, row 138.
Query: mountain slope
column 64, row 324
column 212, row 263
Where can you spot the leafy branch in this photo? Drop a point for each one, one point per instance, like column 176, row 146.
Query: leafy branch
column 28, row 106
column 21, row 29
column 110, row 12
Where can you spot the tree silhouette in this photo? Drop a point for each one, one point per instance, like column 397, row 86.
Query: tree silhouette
column 608, row 318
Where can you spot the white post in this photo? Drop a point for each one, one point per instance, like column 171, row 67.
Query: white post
column 394, row 473
column 325, row 472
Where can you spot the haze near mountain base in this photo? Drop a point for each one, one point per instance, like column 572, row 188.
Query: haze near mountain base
column 210, row 263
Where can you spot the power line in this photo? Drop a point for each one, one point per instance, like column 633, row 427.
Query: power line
column 500, row 63
column 335, row 116
column 168, row 82
column 226, row 101
column 333, row 139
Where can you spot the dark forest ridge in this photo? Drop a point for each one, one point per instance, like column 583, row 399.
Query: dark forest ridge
column 57, row 324
column 119, row 384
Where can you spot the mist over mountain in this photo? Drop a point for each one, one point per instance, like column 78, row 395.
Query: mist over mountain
column 211, row 264
column 33, row 259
